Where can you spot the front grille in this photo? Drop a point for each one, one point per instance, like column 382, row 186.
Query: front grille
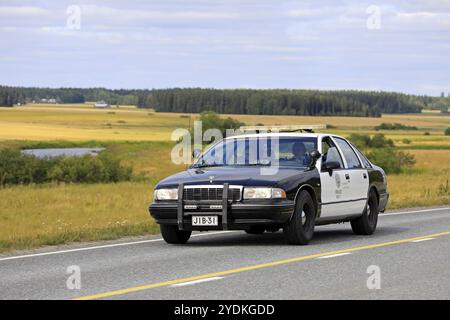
column 210, row 194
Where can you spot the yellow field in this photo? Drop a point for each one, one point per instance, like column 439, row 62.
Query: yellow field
column 81, row 122
column 78, row 124
column 420, row 120
column 422, row 187
column 32, row 216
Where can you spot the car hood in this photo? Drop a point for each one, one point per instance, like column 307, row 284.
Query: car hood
column 246, row 176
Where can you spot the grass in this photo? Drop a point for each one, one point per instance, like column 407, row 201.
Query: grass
column 37, row 215
column 425, row 184
column 33, row 216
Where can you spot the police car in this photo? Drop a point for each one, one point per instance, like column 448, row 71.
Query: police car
column 269, row 180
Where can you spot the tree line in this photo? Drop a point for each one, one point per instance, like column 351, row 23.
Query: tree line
column 238, row 101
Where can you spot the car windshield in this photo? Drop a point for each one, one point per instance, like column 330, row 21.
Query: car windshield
column 260, row 151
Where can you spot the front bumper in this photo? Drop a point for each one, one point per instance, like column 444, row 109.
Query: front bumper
column 237, row 216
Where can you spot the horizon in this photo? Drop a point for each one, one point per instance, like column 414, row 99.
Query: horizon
column 211, row 88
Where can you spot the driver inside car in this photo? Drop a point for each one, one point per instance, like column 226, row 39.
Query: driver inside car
column 300, row 154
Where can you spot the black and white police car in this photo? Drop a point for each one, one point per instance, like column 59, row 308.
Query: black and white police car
column 318, row 179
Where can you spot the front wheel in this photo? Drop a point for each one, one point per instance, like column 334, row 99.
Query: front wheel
column 367, row 223
column 300, row 229
column 172, row 235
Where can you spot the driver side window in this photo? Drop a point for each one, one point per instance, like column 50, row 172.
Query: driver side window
column 329, row 151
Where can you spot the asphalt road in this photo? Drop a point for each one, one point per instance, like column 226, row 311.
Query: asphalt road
column 411, row 251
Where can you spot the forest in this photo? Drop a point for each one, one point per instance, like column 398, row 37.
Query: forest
column 232, row 101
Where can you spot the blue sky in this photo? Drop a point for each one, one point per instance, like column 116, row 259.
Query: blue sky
column 228, row 44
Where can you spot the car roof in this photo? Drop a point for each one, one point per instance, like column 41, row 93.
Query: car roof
column 283, row 134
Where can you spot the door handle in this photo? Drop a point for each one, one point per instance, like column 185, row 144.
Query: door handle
column 364, row 176
column 347, row 176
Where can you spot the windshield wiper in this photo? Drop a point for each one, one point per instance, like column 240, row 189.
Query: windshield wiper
column 253, row 164
column 206, row 165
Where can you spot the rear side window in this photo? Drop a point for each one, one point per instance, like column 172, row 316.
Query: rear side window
column 349, row 155
column 366, row 162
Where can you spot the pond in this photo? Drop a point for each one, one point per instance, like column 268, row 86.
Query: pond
column 62, row 152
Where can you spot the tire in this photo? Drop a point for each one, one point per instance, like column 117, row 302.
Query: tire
column 172, row 235
column 255, row 230
column 300, row 229
column 367, row 223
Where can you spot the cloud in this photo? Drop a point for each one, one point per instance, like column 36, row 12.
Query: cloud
column 101, row 12
column 224, row 43
column 23, row 11
column 306, row 12
column 274, row 48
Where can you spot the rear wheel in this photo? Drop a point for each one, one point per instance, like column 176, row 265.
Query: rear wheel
column 300, row 228
column 171, row 234
column 367, row 223
column 255, row 230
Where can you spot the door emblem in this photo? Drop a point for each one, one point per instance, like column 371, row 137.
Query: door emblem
column 338, row 181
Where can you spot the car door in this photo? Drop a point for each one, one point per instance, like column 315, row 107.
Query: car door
column 334, row 186
column 356, row 176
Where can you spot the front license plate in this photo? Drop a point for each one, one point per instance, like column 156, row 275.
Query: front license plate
column 205, row 221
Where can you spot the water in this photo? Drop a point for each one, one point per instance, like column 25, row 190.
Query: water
column 63, row 152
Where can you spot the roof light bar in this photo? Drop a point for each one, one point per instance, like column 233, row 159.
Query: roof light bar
column 285, row 128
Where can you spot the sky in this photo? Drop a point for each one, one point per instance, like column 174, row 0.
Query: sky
column 401, row 46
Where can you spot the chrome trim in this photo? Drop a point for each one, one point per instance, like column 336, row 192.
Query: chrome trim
column 218, row 186
column 202, row 186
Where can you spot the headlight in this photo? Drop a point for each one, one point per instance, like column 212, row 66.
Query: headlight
column 166, row 194
column 264, row 193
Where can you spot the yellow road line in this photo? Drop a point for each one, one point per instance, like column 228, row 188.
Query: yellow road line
column 254, row 267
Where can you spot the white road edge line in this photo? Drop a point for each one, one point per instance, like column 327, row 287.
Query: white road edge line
column 160, row 239
column 416, row 211
column 425, row 239
column 182, row 284
column 102, row 247
column 334, row 255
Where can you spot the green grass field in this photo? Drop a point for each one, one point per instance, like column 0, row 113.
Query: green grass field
column 32, row 216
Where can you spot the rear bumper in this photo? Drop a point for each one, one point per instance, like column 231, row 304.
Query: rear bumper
column 238, row 215
column 384, row 197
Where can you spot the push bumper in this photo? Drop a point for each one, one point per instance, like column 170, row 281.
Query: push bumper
column 236, row 215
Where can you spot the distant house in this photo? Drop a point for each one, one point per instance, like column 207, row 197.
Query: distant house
column 101, row 105
column 48, row 100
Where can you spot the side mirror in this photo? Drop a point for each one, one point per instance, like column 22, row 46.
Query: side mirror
column 196, row 153
column 315, row 155
column 332, row 160
column 331, row 165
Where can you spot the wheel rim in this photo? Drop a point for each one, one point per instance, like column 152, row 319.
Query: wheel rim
column 371, row 212
column 303, row 217
column 306, row 218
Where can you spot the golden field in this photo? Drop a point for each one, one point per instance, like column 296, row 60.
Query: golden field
column 37, row 215
column 82, row 122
